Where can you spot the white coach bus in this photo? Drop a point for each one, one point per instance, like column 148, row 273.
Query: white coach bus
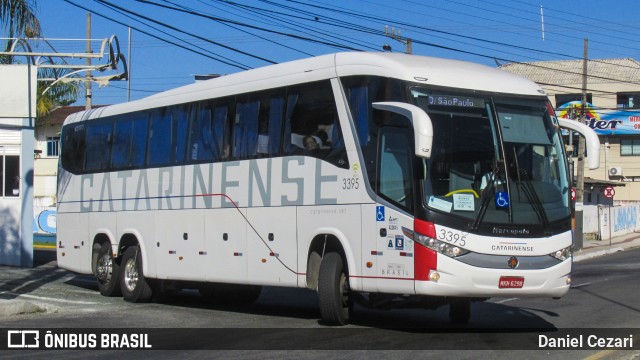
column 384, row 179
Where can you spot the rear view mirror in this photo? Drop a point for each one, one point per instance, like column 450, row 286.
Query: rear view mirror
column 422, row 126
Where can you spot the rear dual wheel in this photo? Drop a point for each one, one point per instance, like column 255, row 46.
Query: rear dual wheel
column 107, row 272
column 134, row 286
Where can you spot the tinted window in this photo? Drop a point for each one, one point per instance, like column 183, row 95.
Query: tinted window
column 160, row 137
column 246, row 128
column 99, row 135
column 129, row 142
column 73, row 147
column 361, row 91
column 179, row 134
column 311, row 124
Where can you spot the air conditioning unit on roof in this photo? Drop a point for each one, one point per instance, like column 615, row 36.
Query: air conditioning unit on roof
column 615, row 171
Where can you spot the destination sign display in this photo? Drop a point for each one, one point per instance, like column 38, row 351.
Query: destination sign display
column 456, row 101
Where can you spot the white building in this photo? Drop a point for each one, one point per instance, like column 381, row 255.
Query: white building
column 17, row 115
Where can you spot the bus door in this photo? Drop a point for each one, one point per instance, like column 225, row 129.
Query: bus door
column 394, row 222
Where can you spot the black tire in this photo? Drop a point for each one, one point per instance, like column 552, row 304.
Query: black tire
column 334, row 291
column 107, row 272
column 230, row 294
column 460, row 311
column 134, row 287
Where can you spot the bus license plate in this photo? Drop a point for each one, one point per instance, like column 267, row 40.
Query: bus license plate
column 511, row 282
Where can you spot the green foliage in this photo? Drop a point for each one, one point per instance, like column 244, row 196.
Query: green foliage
column 18, row 20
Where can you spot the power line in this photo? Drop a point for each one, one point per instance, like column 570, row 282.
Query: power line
column 155, row 36
column 249, row 33
column 297, row 25
column 186, row 33
column 247, row 25
column 460, row 50
column 115, row 9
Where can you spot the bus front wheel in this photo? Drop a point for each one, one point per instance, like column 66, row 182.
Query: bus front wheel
column 334, row 291
column 134, row 286
column 106, row 271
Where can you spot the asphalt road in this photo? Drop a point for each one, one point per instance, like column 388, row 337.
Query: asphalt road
column 604, row 297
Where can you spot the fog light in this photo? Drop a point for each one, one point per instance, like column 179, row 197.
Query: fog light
column 568, row 280
column 434, row 276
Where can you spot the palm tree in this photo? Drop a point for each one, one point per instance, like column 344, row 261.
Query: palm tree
column 18, row 19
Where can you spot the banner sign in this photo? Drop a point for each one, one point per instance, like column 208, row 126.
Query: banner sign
column 603, row 122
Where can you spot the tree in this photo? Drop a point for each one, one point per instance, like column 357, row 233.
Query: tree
column 18, row 19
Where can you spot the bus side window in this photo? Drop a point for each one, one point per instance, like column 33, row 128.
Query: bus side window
column 160, row 143
column 179, row 134
column 99, row 135
column 129, row 146
column 220, row 128
column 270, row 126
column 312, row 126
column 246, row 129
column 395, row 180
column 72, row 148
column 202, row 141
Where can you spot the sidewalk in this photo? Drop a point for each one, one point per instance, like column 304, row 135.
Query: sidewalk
column 595, row 248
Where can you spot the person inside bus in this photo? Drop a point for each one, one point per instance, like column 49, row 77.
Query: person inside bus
column 312, row 146
column 323, row 134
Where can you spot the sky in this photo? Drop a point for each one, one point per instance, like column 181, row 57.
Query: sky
column 174, row 40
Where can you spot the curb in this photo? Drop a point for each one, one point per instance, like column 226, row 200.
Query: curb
column 594, row 254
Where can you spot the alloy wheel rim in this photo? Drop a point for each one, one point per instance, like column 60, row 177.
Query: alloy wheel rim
column 131, row 275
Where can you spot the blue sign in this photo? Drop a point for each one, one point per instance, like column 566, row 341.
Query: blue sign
column 603, row 121
column 380, row 213
column 399, row 242
column 502, row 199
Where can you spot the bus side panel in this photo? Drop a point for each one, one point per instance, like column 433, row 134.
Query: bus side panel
column 370, row 236
column 225, row 244
column 140, row 224
column 102, row 223
column 73, row 230
column 271, row 246
column 341, row 221
column 396, row 257
column 181, row 245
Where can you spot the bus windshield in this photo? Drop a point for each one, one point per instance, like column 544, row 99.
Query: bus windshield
column 495, row 159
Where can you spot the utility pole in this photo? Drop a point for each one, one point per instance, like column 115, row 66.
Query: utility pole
column 579, row 233
column 396, row 35
column 87, row 82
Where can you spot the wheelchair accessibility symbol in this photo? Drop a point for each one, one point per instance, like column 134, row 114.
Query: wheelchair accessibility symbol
column 502, row 199
column 380, row 213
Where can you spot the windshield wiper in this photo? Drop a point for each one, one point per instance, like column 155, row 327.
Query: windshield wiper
column 485, row 199
column 531, row 195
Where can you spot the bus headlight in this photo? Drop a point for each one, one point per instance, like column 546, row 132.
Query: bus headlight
column 441, row 247
column 562, row 254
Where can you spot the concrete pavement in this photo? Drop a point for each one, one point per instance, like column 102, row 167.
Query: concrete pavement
column 17, row 284
column 595, row 248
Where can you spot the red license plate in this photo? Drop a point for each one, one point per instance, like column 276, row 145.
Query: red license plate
column 511, row 282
